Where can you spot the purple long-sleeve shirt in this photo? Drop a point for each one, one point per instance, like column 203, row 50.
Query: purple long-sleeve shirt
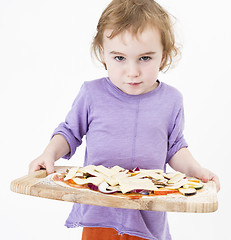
column 130, row 131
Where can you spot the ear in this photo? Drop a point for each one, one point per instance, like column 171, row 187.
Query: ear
column 162, row 61
column 163, row 58
column 102, row 56
column 101, row 53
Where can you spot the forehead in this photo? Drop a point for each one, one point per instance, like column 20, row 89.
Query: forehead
column 148, row 37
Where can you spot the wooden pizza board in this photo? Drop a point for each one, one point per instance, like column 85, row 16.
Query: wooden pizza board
column 36, row 184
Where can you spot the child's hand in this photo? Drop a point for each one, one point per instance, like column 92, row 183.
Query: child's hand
column 57, row 148
column 206, row 175
column 43, row 161
column 184, row 162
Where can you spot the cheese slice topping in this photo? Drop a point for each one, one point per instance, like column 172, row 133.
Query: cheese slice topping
column 152, row 174
column 117, row 169
column 176, row 178
column 128, row 185
column 71, row 174
column 87, row 168
column 94, row 180
column 109, row 172
column 147, row 173
column 114, row 180
column 106, row 171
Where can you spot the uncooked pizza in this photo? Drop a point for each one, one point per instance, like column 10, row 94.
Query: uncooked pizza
column 119, row 180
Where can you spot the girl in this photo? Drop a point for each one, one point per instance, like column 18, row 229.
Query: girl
column 129, row 118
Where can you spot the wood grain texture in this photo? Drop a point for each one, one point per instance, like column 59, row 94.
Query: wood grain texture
column 35, row 184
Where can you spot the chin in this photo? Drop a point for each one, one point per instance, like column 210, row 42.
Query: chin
column 134, row 92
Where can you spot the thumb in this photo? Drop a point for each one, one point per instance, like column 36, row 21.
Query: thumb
column 203, row 175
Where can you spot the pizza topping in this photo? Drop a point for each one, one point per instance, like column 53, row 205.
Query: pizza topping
column 114, row 188
column 177, row 185
column 196, row 185
column 165, row 191
column 103, row 187
column 87, row 168
column 153, row 174
column 92, row 187
column 114, row 180
column 136, row 181
column 141, row 191
column 105, row 171
column 58, row 178
column 176, row 178
column 161, row 182
column 127, row 185
column 188, row 191
column 94, row 180
column 71, row 173
column 169, row 175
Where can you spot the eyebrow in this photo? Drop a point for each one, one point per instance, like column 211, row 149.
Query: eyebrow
column 119, row 53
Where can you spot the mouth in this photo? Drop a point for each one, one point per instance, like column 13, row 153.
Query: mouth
column 134, row 84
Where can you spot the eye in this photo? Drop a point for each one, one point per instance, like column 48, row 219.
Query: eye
column 145, row 59
column 119, row 58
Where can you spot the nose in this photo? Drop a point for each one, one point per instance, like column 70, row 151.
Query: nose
column 133, row 70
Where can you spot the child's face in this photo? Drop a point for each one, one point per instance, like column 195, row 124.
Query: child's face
column 133, row 62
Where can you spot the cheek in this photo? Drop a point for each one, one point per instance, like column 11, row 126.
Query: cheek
column 151, row 70
column 111, row 69
column 115, row 69
column 113, row 74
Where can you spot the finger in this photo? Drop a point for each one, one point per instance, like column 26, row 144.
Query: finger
column 42, row 167
column 204, row 179
column 50, row 168
column 217, row 182
column 33, row 168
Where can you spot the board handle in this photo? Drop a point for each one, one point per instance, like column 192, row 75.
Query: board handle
column 42, row 173
column 23, row 184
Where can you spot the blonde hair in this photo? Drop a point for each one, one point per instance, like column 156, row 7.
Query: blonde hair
column 135, row 15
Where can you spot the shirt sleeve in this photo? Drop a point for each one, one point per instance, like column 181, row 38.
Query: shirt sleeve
column 176, row 139
column 76, row 122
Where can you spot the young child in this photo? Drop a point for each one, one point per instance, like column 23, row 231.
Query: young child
column 130, row 118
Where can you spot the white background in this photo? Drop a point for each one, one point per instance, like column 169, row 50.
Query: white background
column 44, row 59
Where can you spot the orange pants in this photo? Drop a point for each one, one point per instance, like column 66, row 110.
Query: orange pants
column 99, row 233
